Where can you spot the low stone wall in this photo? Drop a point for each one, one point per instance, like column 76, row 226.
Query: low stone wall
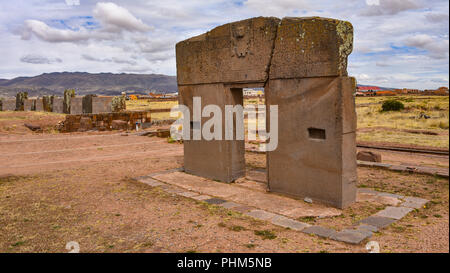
column 104, row 121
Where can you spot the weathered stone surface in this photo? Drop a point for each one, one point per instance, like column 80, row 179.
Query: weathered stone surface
column 311, row 47
column 320, row 231
column 414, row 202
column 68, row 95
column 242, row 209
column 350, row 236
column 149, row 181
column 385, row 200
column 260, row 214
column 377, row 221
column 394, row 212
column 48, row 103
column 235, row 52
column 368, row 156
column 288, row 223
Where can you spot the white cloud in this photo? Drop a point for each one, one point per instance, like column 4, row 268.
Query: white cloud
column 389, row 7
column 438, row 48
column 116, row 18
column 38, row 59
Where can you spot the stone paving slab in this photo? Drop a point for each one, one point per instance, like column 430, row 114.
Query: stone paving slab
column 377, row 221
column 320, row 231
column 215, row 201
column 351, row 236
column 229, row 205
column 202, row 197
column 288, row 223
column 242, row 209
column 149, row 181
column 367, row 227
column 270, row 202
column 396, row 213
column 260, row 214
column 414, row 202
column 188, row 194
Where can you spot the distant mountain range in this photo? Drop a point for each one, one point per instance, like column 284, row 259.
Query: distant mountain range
column 87, row 83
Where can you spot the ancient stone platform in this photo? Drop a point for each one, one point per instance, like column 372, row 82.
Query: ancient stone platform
column 250, row 198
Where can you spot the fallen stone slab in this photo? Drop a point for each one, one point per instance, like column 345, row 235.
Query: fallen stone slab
column 260, row 214
column 320, row 231
column 367, row 228
column 289, row 223
column 351, row 236
column 188, row 194
column 33, row 127
column 392, row 195
column 396, row 213
column 377, row 221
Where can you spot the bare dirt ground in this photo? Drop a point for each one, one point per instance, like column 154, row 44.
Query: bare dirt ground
column 57, row 188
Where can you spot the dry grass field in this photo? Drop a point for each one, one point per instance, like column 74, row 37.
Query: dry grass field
column 402, row 127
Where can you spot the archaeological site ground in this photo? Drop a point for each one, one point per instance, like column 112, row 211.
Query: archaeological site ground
column 101, row 173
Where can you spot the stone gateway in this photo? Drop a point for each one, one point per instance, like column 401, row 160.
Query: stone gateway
column 302, row 65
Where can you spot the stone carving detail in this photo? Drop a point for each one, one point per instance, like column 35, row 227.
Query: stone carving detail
column 240, row 39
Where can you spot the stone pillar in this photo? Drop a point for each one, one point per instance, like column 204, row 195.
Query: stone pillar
column 221, row 160
column 20, row 100
column 58, row 105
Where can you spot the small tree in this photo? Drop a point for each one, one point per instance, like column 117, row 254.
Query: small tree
column 392, row 105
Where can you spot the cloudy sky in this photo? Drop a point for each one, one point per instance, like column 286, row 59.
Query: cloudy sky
column 398, row 43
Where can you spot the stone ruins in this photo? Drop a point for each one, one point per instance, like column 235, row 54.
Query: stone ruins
column 302, row 65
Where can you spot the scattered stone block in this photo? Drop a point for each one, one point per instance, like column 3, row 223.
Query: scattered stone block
column 351, row 236
column 377, row 221
column 320, row 231
column 396, row 213
column 33, row 127
column 308, row 200
column 260, row 214
column 289, row 223
column 368, row 156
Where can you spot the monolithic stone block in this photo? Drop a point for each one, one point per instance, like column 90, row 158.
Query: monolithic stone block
column 9, row 105
column 76, row 105
column 39, row 105
column 58, row 105
column 29, row 105
column 316, row 153
column 101, row 105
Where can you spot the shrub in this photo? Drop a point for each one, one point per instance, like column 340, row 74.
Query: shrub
column 392, row 105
